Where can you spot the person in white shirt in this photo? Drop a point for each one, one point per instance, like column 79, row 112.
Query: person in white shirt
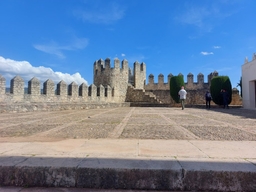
column 182, row 93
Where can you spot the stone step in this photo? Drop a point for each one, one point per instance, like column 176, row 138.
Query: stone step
column 139, row 174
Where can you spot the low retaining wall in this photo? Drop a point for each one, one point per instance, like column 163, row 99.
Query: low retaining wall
column 29, row 107
column 96, row 173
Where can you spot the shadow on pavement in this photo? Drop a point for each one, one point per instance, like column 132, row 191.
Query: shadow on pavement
column 132, row 174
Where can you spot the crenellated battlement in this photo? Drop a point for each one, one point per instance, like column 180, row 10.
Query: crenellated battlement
column 115, row 84
column 101, row 66
column 119, row 76
column 53, row 93
column 190, row 84
column 253, row 58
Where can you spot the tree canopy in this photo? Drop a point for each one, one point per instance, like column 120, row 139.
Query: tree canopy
column 175, row 84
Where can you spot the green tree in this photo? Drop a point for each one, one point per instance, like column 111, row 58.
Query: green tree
column 217, row 84
column 175, row 84
column 240, row 85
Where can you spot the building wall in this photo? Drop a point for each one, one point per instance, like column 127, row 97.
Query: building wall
column 249, row 83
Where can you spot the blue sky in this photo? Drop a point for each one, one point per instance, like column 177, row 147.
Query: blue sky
column 61, row 39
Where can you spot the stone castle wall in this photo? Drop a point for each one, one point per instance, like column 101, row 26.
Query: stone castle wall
column 190, row 84
column 111, row 85
column 61, row 93
column 196, row 90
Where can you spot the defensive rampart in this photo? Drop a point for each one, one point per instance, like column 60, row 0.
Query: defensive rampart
column 61, row 93
column 111, row 85
column 161, row 90
column 196, row 90
column 190, row 84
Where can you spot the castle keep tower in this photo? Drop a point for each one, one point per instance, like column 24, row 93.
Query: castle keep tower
column 139, row 75
column 118, row 77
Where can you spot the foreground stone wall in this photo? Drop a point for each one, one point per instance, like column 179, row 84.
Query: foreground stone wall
column 162, row 175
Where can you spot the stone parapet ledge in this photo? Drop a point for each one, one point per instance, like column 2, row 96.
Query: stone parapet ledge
column 135, row 174
column 29, row 107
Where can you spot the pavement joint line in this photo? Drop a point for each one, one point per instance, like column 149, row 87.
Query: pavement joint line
column 199, row 149
column 38, row 120
column 227, row 124
column 250, row 161
column 182, row 169
column 184, row 130
column 68, row 124
column 21, row 161
column 28, row 114
column 138, row 147
column 116, row 133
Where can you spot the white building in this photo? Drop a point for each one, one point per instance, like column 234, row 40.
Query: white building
column 249, row 83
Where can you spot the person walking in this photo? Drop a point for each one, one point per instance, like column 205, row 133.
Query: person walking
column 182, row 93
column 208, row 99
column 225, row 98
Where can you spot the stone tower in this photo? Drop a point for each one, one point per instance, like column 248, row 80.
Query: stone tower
column 118, row 77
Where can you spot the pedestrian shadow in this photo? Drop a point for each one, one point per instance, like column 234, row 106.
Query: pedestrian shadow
column 241, row 112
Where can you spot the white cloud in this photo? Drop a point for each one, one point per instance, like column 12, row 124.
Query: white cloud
column 123, row 55
column 216, row 47
column 206, row 53
column 100, row 12
column 205, row 17
column 140, row 58
column 224, row 69
column 54, row 48
column 195, row 16
column 10, row 68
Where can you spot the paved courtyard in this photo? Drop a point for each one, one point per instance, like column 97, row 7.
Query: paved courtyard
column 130, row 123
column 193, row 149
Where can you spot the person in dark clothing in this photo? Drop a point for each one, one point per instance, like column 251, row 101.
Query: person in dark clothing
column 225, row 98
column 208, row 99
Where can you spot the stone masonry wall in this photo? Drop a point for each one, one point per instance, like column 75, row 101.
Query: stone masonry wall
column 190, row 84
column 63, row 93
column 111, row 85
column 118, row 77
column 115, row 77
column 194, row 97
column 196, row 90
column 139, row 75
column 139, row 95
